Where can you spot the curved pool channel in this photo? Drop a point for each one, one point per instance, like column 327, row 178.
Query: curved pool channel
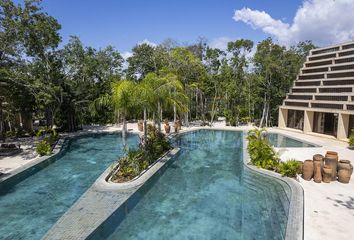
column 34, row 202
column 205, row 193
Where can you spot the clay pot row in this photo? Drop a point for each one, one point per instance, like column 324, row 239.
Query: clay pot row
column 327, row 168
column 167, row 127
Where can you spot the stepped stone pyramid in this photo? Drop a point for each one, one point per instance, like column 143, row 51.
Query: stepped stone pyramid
column 322, row 97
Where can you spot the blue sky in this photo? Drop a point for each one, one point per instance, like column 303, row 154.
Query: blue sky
column 124, row 23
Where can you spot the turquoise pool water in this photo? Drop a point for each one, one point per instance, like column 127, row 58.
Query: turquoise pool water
column 29, row 208
column 282, row 141
column 207, row 193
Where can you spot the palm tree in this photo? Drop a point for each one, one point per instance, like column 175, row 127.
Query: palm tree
column 164, row 91
column 123, row 99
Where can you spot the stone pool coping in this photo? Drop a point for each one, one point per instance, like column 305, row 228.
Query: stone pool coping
column 101, row 201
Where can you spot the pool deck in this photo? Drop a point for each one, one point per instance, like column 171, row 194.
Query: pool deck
column 329, row 208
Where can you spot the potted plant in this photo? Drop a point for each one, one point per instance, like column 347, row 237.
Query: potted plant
column 140, row 126
column 177, row 126
column 167, row 127
column 351, row 142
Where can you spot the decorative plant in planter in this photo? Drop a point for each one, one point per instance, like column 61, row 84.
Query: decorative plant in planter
column 261, row 152
column 289, row 168
column 44, row 147
column 167, row 127
column 136, row 161
column 140, row 126
column 351, row 142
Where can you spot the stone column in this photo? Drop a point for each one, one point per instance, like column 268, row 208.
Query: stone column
column 308, row 121
column 283, row 117
column 343, row 125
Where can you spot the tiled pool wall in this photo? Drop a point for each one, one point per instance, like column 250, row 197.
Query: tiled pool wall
column 110, row 224
column 295, row 224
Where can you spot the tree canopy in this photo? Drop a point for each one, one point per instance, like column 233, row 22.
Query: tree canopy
column 63, row 86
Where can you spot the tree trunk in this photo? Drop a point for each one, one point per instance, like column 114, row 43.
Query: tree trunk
column 124, row 131
column 159, row 110
column 145, row 125
column 174, row 113
column 2, row 128
column 264, row 111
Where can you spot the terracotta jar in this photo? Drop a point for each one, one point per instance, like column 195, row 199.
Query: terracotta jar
column 332, row 161
column 177, row 126
column 307, row 170
column 299, row 169
column 317, row 175
column 332, row 154
column 140, row 126
column 345, row 170
column 327, row 174
column 167, row 128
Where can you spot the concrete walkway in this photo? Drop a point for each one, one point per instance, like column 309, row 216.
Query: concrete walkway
column 329, row 208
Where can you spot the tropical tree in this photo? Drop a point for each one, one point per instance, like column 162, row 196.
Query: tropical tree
column 165, row 90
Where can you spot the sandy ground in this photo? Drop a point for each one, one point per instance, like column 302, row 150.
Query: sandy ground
column 329, row 208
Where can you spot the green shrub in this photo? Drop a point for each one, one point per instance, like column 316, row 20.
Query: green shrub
column 261, row 152
column 289, row 168
column 138, row 160
column 51, row 136
column 351, row 141
column 43, row 148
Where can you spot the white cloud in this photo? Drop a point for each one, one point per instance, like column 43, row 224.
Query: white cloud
column 126, row 55
column 148, row 43
column 322, row 21
column 220, row 43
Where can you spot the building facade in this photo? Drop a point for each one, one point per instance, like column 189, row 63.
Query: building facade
column 322, row 97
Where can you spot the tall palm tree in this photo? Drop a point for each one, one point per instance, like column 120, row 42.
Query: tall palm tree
column 165, row 91
column 123, row 99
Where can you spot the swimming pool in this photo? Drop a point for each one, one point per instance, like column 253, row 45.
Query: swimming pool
column 29, row 208
column 282, row 141
column 207, row 193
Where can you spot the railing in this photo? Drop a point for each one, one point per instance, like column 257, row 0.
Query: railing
column 340, row 75
column 348, row 46
column 333, row 55
column 327, row 50
column 344, row 60
column 296, row 104
column 316, row 64
column 311, row 77
column 338, row 82
column 344, row 67
column 303, row 90
column 332, row 98
column 342, row 54
column 315, row 70
column 327, row 105
column 315, row 83
column 300, row 97
column 335, row 90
